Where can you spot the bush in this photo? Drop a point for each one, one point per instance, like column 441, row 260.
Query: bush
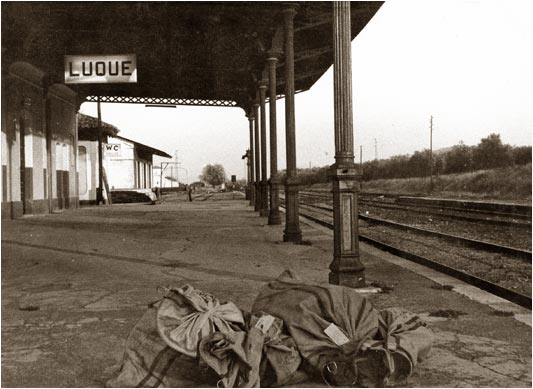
column 458, row 159
column 521, row 155
column 420, row 164
column 508, row 183
column 491, row 153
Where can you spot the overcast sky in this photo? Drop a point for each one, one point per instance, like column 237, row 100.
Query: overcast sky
column 467, row 63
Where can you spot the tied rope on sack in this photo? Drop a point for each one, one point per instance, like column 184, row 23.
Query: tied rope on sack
column 260, row 356
column 187, row 315
column 235, row 357
column 342, row 336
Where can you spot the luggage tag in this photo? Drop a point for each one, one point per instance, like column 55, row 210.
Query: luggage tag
column 336, row 335
column 264, row 323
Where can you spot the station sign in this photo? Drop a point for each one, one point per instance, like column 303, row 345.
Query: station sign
column 112, row 149
column 100, row 69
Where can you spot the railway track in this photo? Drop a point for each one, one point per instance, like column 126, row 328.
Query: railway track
column 511, row 257
column 203, row 196
column 447, row 214
column 473, row 243
column 452, row 213
column 509, row 232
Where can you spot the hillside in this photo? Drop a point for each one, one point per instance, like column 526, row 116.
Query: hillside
column 502, row 184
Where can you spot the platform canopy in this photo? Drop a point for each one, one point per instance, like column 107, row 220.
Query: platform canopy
column 197, row 53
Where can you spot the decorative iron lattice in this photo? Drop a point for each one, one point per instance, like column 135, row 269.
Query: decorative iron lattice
column 162, row 101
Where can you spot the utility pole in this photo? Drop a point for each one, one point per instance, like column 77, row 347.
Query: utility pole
column 100, row 190
column 177, row 169
column 431, row 153
column 375, row 149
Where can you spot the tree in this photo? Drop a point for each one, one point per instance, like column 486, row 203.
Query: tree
column 458, row 159
column 213, row 174
column 438, row 164
column 396, row 166
column 420, row 164
column 522, row 155
column 492, row 153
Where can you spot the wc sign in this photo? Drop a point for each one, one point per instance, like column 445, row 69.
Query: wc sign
column 112, row 150
column 100, row 69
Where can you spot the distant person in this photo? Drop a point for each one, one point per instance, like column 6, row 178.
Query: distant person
column 189, row 192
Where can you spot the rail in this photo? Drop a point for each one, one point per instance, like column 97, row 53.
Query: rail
column 497, row 290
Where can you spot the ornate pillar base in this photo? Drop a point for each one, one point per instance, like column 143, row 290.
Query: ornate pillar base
column 274, row 216
column 346, row 267
column 264, row 200
column 349, row 279
column 257, row 189
column 292, row 232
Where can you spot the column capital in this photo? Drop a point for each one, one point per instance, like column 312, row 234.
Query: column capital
column 250, row 112
column 262, row 84
column 273, row 55
column 290, row 9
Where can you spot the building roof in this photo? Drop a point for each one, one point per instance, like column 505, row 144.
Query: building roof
column 144, row 148
column 88, row 128
column 203, row 53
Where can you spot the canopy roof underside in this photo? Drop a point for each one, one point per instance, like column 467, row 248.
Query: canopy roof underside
column 185, row 50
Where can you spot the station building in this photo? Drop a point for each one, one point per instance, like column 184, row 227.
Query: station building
column 128, row 165
column 39, row 143
column 45, row 166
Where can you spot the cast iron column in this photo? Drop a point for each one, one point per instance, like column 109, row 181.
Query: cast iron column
column 257, row 160
column 346, row 268
column 247, row 190
column 249, row 175
column 264, row 182
column 251, row 187
column 274, row 216
column 292, row 232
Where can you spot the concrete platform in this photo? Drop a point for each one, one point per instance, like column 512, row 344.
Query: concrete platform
column 74, row 284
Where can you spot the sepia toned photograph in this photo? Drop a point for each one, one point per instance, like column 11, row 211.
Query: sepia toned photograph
column 266, row 194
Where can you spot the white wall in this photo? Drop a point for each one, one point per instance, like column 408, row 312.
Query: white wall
column 119, row 164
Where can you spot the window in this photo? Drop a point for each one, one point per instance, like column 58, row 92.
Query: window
column 82, row 170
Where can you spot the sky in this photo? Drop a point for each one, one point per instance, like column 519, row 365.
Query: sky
column 469, row 64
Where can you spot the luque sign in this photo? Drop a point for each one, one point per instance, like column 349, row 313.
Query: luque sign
column 100, row 69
